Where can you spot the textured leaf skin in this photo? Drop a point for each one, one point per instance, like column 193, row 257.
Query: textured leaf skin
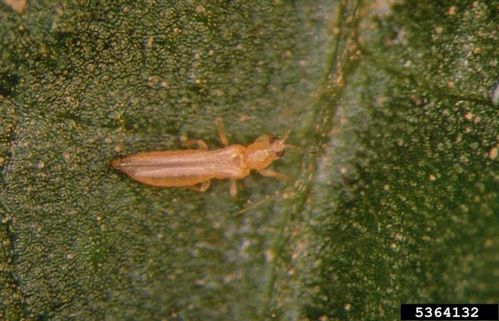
column 393, row 195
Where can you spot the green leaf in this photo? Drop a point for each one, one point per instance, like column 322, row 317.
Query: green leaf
column 393, row 196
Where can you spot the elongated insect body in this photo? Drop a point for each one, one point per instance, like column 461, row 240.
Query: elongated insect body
column 186, row 167
column 181, row 168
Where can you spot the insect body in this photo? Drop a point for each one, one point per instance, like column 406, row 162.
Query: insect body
column 191, row 167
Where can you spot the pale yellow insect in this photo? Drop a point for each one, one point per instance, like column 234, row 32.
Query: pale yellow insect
column 184, row 168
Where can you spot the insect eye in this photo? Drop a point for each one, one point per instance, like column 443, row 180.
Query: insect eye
column 280, row 153
column 273, row 139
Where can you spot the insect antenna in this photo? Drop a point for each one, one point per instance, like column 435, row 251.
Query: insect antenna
column 286, row 145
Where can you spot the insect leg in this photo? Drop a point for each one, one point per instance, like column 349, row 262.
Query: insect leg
column 233, row 189
column 270, row 173
column 221, row 131
column 203, row 187
column 201, row 143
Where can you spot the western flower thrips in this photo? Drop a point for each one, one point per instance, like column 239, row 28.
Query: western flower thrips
column 188, row 168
